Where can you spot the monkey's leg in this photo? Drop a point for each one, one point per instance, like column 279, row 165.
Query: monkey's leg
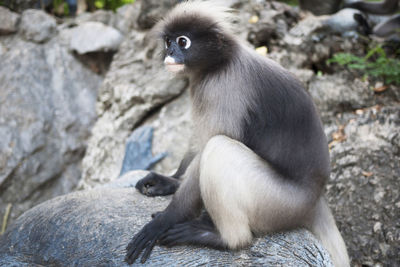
column 155, row 184
column 388, row 27
column 200, row 231
column 243, row 195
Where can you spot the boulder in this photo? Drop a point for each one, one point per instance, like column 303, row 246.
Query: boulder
column 93, row 227
column 20, row 5
column 335, row 93
column 364, row 189
column 135, row 85
column 8, row 21
column 47, row 107
column 320, row 8
column 37, row 26
column 153, row 10
column 90, row 37
column 172, row 130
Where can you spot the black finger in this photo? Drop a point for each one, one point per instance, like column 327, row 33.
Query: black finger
column 148, row 250
column 139, row 248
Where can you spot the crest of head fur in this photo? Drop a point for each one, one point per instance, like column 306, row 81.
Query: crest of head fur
column 212, row 10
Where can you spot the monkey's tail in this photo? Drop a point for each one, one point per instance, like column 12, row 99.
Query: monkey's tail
column 323, row 226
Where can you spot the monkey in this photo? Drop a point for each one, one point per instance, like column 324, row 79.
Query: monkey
column 318, row 7
column 386, row 7
column 258, row 159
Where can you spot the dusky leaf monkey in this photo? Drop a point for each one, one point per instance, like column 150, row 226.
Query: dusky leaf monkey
column 258, row 159
column 385, row 7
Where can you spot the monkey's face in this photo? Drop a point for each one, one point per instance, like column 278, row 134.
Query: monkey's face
column 194, row 44
column 175, row 52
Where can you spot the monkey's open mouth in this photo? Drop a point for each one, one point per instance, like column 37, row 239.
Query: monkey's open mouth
column 174, row 67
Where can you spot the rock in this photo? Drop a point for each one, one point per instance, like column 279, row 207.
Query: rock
column 127, row 16
column 20, row 5
column 135, row 85
column 152, row 11
column 138, row 155
column 172, row 132
column 106, row 17
column 126, row 180
column 364, row 190
column 335, row 93
column 8, row 21
column 124, row 19
column 93, row 37
column 92, row 228
column 37, row 26
column 47, row 107
column 320, row 8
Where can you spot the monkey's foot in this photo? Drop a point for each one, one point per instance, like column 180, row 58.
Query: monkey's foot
column 145, row 240
column 196, row 232
column 157, row 185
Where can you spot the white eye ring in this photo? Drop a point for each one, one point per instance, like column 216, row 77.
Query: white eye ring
column 183, row 41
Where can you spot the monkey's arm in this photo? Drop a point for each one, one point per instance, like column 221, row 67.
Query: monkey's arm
column 382, row 8
column 155, row 184
column 185, row 205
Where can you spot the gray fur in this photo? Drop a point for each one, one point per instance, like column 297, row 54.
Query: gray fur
column 261, row 154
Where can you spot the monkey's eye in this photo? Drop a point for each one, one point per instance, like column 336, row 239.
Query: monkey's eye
column 167, row 42
column 183, row 41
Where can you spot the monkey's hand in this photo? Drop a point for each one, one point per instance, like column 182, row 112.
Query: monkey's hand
column 146, row 239
column 155, row 184
column 200, row 232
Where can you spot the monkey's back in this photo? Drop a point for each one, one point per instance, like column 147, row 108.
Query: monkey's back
column 265, row 107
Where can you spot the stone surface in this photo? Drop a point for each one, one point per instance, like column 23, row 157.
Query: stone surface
column 320, row 7
column 335, row 93
column 152, row 11
column 92, row 228
column 20, row 5
column 8, row 21
column 138, row 155
column 37, row 26
column 126, row 17
column 93, row 37
column 172, row 131
column 47, row 106
column 364, row 189
column 135, row 85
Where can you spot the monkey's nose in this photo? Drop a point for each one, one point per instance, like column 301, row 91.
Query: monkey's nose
column 170, row 52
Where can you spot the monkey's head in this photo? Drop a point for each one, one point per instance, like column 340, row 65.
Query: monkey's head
column 196, row 38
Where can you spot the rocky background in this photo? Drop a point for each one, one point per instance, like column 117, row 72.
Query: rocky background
column 72, row 91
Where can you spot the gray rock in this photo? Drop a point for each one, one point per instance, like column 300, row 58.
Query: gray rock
column 126, row 17
column 135, row 85
column 92, row 228
column 335, row 93
column 37, row 26
column 127, row 180
column 320, row 7
column 47, row 107
column 364, row 190
column 20, row 5
column 153, row 10
column 8, row 21
column 93, row 37
column 106, row 17
column 138, row 155
column 172, row 131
